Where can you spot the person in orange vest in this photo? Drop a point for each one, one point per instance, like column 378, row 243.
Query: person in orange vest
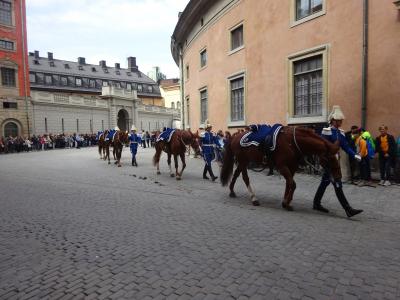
column 362, row 150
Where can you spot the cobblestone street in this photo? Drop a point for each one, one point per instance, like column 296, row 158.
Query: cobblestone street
column 73, row 227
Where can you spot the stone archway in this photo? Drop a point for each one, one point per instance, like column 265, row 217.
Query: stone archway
column 11, row 127
column 123, row 120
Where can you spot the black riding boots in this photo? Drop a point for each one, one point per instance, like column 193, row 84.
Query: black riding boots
column 134, row 163
column 350, row 212
column 208, row 168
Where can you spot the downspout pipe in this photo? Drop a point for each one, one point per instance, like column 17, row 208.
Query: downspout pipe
column 24, row 53
column 364, row 65
column 182, row 88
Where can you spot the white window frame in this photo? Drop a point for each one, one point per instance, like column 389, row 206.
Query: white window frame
column 207, row 116
column 237, row 49
column 236, row 75
column 320, row 50
column 200, row 55
column 293, row 13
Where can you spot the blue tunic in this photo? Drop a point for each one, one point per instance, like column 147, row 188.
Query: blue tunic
column 111, row 134
column 333, row 134
column 99, row 133
column 134, row 141
column 208, row 142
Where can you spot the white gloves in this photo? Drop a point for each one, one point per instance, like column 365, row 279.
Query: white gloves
column 357, row 157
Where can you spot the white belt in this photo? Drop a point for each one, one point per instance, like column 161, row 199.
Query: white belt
column 209, row 145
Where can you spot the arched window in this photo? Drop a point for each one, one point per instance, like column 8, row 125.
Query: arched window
column 173, row 105
column 178, row 105
column 11, row 129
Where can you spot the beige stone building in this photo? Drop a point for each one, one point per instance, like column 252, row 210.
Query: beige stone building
column 171, row 93
column 247, row 61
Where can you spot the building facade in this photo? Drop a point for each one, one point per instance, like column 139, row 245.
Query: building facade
column 289, row 62
column 70, row 97
column 14, row 70
column 170, row 91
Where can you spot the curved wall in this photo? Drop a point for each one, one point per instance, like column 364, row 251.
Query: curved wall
column 272, row 43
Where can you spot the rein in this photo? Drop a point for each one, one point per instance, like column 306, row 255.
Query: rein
column 301, row 152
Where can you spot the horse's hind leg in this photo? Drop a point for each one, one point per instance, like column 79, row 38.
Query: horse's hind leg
column 178, row 177
column 236, row 174
column 100, row 152
column 290, row 187
column 246, row 180
column 119, row 154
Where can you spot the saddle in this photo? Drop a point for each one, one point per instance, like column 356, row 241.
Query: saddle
column 263, row 136
column 166, row 135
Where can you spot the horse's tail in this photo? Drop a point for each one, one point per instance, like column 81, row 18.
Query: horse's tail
column 228, row 162
column 156, row 157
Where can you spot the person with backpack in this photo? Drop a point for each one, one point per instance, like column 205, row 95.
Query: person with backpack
column 386, row 147
column 365, row 150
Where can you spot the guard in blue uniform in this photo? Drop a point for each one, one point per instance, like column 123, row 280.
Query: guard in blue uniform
column 208, row 142
column 333, row 133
column 134, row 141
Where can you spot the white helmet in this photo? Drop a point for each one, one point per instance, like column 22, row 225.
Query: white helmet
column 116, row 128
column 133, row 128
column 207, row 124
column 336, row 113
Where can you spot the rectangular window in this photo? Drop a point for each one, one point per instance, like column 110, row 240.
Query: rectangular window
column 99, row 83
column 6, row 45
column 10, row 105
column 56, row 79
column 92, row 83
column 188, row 111
column 139, row 87
column 40, row 78
column 62, row 125
column 237, row 37
column 203, row 105
column 48, row 80
column 203, row 58
column 305, row 8
column 187, row 72
column 5, row 12
column 77, row 125
column 64, row 80
column 32, row 77
column 78, row 81
column 45, row 124
column 91, row 126
column 237, row 99
column 71, row 81
column 7, row 77
column 308, row 87
column 105, row 83
column 150, row 89
column 128, row 86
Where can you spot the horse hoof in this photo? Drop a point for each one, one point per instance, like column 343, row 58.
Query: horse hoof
column 256, row 203
column 119, row 166
column 158, row 173
column 232, row 194
column 172, row 175
column 287, row 206
column 178, row 178
column 109, row 163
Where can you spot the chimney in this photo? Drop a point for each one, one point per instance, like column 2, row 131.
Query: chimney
column 132, row 64
column 36, row 54
column 117, row 66
column 81, row 61
column 103, row 64
column 50, row 55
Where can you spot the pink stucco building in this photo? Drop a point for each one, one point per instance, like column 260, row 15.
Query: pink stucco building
column 247, row 61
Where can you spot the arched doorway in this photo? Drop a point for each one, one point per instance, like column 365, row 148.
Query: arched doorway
column 123, row 120
column 10, row 129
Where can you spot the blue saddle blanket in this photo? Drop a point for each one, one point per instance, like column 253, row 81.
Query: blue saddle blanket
column 166, row 135
column 111, row 135
column 261, row 134
column 99, row 134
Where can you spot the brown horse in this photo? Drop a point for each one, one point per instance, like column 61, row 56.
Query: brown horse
column 120, row 139
column 292, row 145
column 102, row 144
column 176, row 146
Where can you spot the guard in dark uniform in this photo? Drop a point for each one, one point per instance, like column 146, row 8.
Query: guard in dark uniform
column 134, row 141
column 208, row 142
column 333, row 133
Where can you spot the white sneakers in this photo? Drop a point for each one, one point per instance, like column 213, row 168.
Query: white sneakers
column 384, row 182
column 381, row 182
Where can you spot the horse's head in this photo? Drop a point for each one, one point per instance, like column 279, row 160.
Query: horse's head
column 195, row 142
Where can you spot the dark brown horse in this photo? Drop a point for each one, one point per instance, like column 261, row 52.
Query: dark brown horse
column 176, row 146
column 102, row 144
column 120, row 139
column 292, row 145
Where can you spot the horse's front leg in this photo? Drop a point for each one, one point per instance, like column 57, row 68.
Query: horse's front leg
column 289, row 189
column 176, row 167
column 246, row 180
column 119, row 154
column 169, row 165
column 108, row 154
column 182, row 156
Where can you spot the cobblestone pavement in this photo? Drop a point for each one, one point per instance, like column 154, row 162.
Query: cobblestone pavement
column 73, row 227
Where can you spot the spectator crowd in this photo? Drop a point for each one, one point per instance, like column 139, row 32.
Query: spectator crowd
column 45, row 142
